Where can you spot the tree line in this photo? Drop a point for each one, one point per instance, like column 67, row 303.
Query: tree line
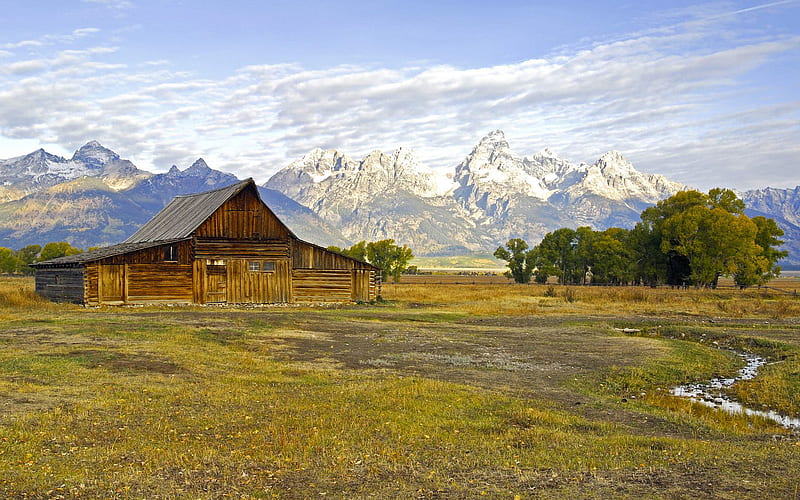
column 19, row 261
column 689, row 239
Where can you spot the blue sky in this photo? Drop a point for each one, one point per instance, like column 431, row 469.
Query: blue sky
column 706, row 93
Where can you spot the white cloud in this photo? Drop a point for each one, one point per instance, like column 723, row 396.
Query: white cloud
column 661, row 97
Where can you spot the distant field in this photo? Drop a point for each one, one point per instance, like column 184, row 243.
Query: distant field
column 442, row 391
column 789, row 282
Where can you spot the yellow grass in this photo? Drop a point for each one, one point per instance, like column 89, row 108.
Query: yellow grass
column 555, row 299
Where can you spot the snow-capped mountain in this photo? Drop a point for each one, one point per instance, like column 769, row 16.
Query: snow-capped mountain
column 783, row 203
column 491, row 175
column 381, row 196
column 494, row 195
column 334, row 185
column 23, row 175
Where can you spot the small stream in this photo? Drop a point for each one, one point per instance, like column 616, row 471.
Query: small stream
column 710, row 394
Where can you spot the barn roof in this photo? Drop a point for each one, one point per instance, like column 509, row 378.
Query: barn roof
column 102, row 253
column 185, row 214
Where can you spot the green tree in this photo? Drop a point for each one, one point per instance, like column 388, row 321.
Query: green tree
column 714, row 241
column 660, row 261
column 357, row 251
column 54, row 250
column 27, row 256
column 9, row 263
column 762, row 269
column 726, row 200
column 611, row 257
column 558, row 255
column 389, row 257
column 648, row 264
column 520, row 260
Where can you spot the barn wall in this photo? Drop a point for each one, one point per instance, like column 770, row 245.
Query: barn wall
column 308, row 256
column 206, row 248
column 258, row 287
column 153, row 255
column 320, row 285
column 165, row 282
column 320, row 275
column 91, row 283
column 365, row 285
column 243, row 217
column 61, row 284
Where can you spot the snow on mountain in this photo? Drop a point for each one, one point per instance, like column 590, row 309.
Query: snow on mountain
column 381, row 196
column 38, row 170
column 94, row 155
column 492, row 173
column 334, row 185
column 551, row 170
column 784, row 203
column 492, row 195
column 613, row 177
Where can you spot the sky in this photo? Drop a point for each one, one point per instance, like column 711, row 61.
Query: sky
column 704, row 93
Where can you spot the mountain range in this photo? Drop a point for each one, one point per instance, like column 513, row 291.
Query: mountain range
column 96, row 198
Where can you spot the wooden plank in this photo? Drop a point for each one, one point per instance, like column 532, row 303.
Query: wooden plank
column 322, row 285
column 61, row 284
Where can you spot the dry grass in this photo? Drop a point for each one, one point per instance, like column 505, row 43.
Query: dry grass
column 18, row 293
column 457, row 392
column 555, row 299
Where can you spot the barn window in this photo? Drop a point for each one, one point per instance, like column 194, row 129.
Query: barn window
column 268, row 267
column 171, row 253
column 254, row 266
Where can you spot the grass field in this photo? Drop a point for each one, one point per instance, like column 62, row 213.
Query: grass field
column 440, row 391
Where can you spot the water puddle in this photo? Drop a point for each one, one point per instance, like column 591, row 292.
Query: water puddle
column 710, row 394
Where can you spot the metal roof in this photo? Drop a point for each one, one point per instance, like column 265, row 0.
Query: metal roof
column 102, row 253
column 184, row 214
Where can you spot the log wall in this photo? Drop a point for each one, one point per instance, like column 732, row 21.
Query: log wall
column 61, row 284
column 152, row 283
column 206, row 248
column 321, row 285
column 366, row 286
column 308, row 256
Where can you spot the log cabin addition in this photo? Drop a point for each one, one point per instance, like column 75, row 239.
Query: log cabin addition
column 219, row 247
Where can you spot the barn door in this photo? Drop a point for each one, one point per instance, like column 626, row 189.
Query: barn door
column 111, row 284
column 216, row 283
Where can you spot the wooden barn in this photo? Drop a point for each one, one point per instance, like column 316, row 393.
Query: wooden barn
column 222, row 246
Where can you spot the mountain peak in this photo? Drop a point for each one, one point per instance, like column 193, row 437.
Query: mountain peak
column 94, row 155
column 199, row 166
column 613, row 163
column 493, row 140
